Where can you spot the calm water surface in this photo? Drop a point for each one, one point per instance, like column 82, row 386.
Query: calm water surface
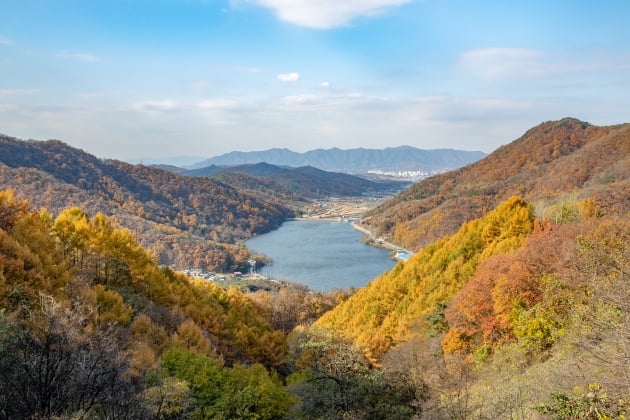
column 322, row 255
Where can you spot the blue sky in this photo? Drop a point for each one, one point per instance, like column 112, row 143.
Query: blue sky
column 151, row 79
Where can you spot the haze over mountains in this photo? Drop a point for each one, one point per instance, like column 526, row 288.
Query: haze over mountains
column 403, row 158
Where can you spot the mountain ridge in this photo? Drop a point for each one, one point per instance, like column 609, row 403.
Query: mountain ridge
column 550, row 160
column 358, row 160
column 305, row 182
column 187, row 221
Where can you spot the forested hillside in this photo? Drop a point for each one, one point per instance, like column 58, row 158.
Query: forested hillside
column 88, row 316
column 293, row 184
column 91, row 327
column 186, row 220
column 512, row 307
column 381, row 314
column 551, row 164
column 510, row 317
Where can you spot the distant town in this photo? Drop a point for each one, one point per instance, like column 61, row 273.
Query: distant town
column 406, row 175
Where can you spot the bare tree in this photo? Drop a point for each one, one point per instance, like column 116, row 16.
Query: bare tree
column 52, row 365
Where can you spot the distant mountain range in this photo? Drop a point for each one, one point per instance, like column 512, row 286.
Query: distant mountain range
column 403, row 158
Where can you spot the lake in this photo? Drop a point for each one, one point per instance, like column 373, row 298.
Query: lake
column 321, row 255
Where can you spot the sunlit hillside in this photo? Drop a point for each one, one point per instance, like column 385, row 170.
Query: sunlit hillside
column 551, row 164
column 187, row 221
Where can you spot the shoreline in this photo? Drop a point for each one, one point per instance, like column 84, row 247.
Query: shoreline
column 376, row 242
column 371, row 239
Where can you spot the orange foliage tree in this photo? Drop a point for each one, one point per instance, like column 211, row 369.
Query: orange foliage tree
column 384, row 313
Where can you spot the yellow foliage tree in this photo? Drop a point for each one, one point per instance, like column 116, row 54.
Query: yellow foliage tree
column 190, row 337
column 384, row 313
column 111, row 307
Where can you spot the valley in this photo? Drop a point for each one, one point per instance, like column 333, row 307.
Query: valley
column 314, row 210
column 341, row 209
column 514, row 303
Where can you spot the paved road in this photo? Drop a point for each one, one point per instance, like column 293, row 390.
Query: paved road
column 380, row 242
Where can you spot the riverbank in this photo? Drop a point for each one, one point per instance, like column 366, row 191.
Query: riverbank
column 379, row 242
column 370, row 237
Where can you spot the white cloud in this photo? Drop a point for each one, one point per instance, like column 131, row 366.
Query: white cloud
column 222, row 112
column 220, row 125
column 324, row 85
column 154, row 106
column 289, row 77
column 79, row 56
column 5, row 41
column 218, row 104
column 326, row 14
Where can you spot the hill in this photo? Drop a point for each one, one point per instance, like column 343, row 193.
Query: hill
column 303, row 183
column 508, row 317
column 522, row 310
column 403, row 158
column 90, row 326
column 261, row 169
column 185, row 220
column 553, row 163
column 381, row 314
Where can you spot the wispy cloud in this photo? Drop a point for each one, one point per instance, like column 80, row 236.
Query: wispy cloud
column 301, row 100
column 96, row 95
column 524, row 63
column 5, row 41
column 11, row 92
column 155, row 106
column 218, row 104
column 499, row 63
column 326, row 14
column 329, row 119
column 78, row 56
column 289, row 77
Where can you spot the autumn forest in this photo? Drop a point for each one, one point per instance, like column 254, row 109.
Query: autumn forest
column 514, row 305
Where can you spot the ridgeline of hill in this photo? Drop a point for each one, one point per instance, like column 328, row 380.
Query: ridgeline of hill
column 403, row 158
column 187, row 221
column 554, row 162
column 293, row 184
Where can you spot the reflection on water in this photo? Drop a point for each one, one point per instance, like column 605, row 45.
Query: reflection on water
column 322, row 255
